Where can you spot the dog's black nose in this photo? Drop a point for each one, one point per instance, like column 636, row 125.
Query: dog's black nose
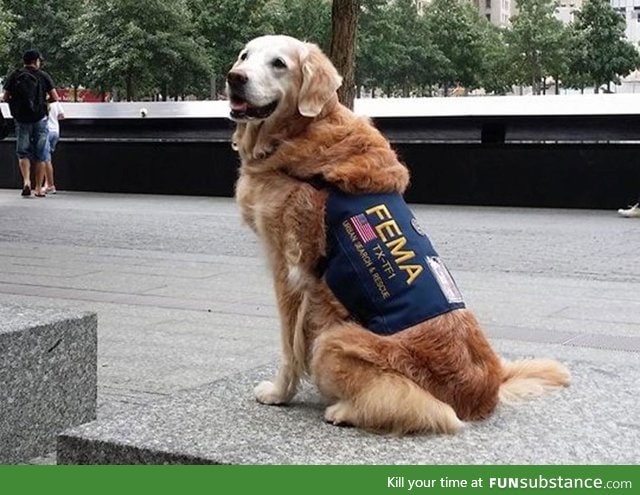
column 237, row 79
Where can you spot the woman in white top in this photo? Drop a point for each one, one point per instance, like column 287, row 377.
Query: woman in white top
column 56, row 113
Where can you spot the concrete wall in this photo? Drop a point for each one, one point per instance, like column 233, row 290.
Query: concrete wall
column 555, row 161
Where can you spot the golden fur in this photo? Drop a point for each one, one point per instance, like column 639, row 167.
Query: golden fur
column 430, row 377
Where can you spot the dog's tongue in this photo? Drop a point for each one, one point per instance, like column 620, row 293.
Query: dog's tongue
column 238, row 106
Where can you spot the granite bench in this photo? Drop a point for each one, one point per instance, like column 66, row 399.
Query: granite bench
column 221, row 423
column 48, row 377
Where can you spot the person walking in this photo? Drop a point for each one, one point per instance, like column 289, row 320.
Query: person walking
column 26, row 91
column 56, row 114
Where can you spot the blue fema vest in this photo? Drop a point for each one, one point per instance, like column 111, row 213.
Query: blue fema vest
column 381, row 266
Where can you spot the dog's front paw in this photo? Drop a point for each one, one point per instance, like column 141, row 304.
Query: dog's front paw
column 268, row 393
column 339, row 414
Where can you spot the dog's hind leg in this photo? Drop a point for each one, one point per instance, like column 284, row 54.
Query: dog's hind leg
column 347, row 367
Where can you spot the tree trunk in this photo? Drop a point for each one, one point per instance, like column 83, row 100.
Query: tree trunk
column 129, row 85
column 213, row 93
column 344, row 27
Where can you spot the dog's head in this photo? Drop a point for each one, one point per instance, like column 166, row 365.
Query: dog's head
column 280, row 75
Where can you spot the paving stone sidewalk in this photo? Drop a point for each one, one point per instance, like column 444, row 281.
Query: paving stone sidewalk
column 184, row 298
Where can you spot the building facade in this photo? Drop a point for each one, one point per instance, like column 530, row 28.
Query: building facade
column 567, row 9
column 498, row 12
column 630, row 10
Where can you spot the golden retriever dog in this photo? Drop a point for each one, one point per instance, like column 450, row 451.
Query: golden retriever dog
column 428, row 367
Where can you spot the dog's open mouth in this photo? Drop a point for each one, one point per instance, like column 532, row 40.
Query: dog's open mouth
column 240, row 109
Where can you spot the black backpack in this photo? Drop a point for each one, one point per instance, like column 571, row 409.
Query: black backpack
column 28, row 101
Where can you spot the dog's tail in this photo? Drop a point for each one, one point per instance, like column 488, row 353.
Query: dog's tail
column 530, row 378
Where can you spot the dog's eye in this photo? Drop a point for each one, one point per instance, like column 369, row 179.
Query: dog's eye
column 244, row 55
column 278, row 63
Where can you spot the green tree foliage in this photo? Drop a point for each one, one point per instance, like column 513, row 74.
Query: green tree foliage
column 156, row 48
column 456, row 29
column 396, row 49
column 142, row 46
column 577, row 72
column 44, row 25
column 228, row 25
column 407, row 52
column 603, row 55
column 308, row 20
column 536, row 42
column 375, row 45
column 496, row 74
column 7, row 26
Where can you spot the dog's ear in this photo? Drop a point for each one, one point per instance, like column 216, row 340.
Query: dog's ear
column 320, row 80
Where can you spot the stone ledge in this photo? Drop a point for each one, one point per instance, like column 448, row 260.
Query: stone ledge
column 588, row 423
column 48, row 377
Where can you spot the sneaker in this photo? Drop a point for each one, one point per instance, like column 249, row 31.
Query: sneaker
column 632, row 212
column 51, row 190
column 26, row 191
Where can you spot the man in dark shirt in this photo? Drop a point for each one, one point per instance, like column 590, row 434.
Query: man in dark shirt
column 26, row 91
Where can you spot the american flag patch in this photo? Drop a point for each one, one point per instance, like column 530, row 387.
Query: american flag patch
column 363, row 228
